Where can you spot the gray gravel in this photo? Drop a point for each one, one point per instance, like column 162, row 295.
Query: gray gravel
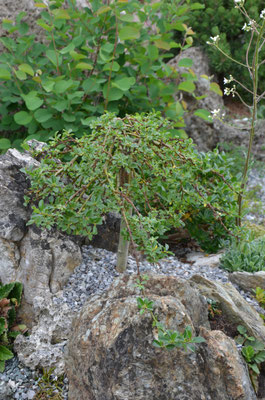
column 95, row 275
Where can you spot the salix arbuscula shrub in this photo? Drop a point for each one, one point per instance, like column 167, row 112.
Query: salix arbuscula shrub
column 103, row 57
column 135, row 167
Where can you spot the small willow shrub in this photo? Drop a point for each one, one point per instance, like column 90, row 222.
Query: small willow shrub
column 169, row 183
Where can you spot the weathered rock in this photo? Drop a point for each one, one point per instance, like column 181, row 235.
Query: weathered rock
column 201, row 260
column 110, row 354
column 47, row 261
column 9, row 260
column 235, row 308
column 13, row 183
column 44, row 347
column 41, row 260
column 248, row 281
column 223, row 368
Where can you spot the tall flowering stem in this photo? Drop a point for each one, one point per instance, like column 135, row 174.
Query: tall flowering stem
column 253, row 71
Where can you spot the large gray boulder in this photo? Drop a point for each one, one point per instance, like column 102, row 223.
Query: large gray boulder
column 248, row 281
column 110, row 355
column 42, row 260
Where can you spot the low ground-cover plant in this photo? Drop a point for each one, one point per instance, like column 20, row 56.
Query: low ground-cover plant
column 10, row 298
column 50, row 386
column 106, row 57
column 135, row 167
column 253, row 352
column 245, row 255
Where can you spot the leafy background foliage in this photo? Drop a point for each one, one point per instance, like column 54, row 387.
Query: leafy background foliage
column 222, row 18
column 110, row 57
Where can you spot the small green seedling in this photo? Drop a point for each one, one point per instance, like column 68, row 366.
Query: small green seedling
column 213, row 308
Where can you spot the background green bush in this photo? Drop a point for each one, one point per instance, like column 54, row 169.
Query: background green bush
column 222, row 18
column 110, row 57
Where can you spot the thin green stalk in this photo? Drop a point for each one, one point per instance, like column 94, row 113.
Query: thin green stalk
column 255, row 69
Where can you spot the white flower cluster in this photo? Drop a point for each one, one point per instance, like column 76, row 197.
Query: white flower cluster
column 215, row 39
column 231, row 91
column 262, row 14
column 228, row 80
column 217, row 114
column 247, row 27
column 239, row 3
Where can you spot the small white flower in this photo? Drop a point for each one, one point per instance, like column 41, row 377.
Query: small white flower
column 246, row 27
column 228, row 80
column 214, row 39
column 217, row 114
column 262, row 14
column 231, row 91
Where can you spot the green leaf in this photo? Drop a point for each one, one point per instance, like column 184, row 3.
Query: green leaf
column 68, row 117
column 241, row 329
column 47, row 84
column 2, row 325
column 113, row 94
column 60, row 105
column 124, row 83
column 129, row 33
column 68, row 48
column 21, row 75
column 42, row 115
column 198, row 339
column 5, row 354
column 53, row 56
column 22, row 118
column 83, row 66
column 45, row 26
column 126, row 17
column 197, row 6
column 108, row 47
column 255, row 368
column 111, row 66
column 61, row 13
column 161, row 44
column 103, row 10
column 185, row 62
column 204, row 114
column 62, row 86
column 32, row 100
column 5, row 290
column 214, row 87
column 152, row 52
column 260, row 357
column 5, row 144
column 5, row 74
column 26, row 68
column 187, row 86
column 2, row 366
